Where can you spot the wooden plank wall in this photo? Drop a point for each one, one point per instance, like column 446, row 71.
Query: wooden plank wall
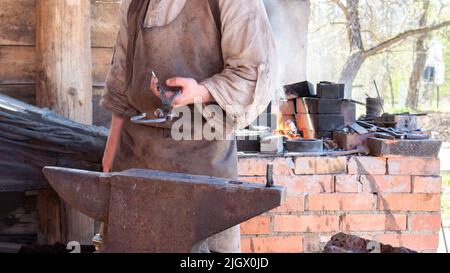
column 18, row 217
column 18, row 52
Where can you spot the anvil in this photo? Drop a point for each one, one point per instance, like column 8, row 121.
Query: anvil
column 158, row 212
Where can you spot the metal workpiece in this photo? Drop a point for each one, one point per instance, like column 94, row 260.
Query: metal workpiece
column 162, row 115
column 304, row 145
column 159, row 212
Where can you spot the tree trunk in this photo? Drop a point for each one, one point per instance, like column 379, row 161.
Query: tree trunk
column 354, row 26
column 350, row 71
column 412, row 99
column 391, row 82
column 64, row 84
column 356, row 58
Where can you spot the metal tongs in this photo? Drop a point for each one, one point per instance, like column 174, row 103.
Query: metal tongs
column 162, row 114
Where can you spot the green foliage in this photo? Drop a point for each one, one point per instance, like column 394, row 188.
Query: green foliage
column 446, row 179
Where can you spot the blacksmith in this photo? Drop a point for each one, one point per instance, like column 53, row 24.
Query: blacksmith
column 217, row 52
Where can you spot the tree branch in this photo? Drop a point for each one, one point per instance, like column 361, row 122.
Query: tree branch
column 343, row 8
column 326, row 25
column 373, row 34
column 402, row 36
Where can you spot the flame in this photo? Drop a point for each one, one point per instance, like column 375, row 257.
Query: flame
column 286, row 127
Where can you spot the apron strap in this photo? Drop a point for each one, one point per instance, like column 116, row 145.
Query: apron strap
column 215, row 9
column 135, row 18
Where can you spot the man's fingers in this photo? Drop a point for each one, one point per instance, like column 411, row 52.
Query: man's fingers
column 180, row 100
column 154, row 86
column 177, row 81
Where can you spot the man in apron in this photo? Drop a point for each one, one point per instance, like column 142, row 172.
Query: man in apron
column 217, row 52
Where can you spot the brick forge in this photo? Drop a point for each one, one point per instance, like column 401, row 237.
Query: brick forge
column 393, row 200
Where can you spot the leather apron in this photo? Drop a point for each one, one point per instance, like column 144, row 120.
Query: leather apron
column 190, row 46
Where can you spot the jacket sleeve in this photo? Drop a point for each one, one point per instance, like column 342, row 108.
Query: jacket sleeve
column 246, row 85
column 114, row 97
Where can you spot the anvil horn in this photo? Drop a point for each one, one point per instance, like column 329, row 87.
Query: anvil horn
column 86, row 191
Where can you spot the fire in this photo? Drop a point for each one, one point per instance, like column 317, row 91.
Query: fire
column 286, row 128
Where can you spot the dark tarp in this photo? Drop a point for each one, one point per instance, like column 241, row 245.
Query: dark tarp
column 32, row 138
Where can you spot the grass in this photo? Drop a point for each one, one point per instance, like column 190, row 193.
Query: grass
column 446, row 196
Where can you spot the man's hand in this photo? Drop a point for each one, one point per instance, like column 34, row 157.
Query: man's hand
column 191, row 91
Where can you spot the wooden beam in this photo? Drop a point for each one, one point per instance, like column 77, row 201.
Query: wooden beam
column 18, row 22
column 64, row 62
column 64, row 84
column 9, row 247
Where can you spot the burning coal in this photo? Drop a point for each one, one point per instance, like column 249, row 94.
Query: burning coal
column 286, row 128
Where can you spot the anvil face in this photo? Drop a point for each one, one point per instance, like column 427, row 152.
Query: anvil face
column 153, row 211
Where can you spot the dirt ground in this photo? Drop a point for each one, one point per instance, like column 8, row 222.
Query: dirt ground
column 438, row 123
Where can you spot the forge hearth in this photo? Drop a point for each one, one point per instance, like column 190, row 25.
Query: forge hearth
column 317, row 114
column 394, row 200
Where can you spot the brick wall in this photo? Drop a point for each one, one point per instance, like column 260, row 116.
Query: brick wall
column 392, row 200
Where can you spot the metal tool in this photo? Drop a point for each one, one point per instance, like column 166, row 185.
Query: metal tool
column 162, row 114
column 304, row 145
column 375, row 128
column 379, row 96
column 415, row 135
column 161, row 212
column 358, row 129
column 269, row 176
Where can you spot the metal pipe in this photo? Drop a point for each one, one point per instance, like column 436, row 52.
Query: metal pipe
column 443, row 235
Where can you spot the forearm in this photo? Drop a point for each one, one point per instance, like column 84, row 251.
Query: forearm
column 112, row 142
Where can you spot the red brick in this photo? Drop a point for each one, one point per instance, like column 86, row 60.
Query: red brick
column 257, row 225
column 413, row 166
column 413, row 241
column 429, row 184
column 253, row 166
column 373, row 222
column 312, row 243
column 300, row 184
column 425, row 222
column 347, row 183
column 279, row 244
column 292, row 204
column 367, row 165
column 283, row 166
column 340, row 201
column 386, row 183
column 409, row 202
column 321, row 165
column 306, row 223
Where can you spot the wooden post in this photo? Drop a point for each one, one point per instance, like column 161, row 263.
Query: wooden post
column 64, row 84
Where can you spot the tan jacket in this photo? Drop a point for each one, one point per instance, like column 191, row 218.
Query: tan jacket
column 247, row 82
